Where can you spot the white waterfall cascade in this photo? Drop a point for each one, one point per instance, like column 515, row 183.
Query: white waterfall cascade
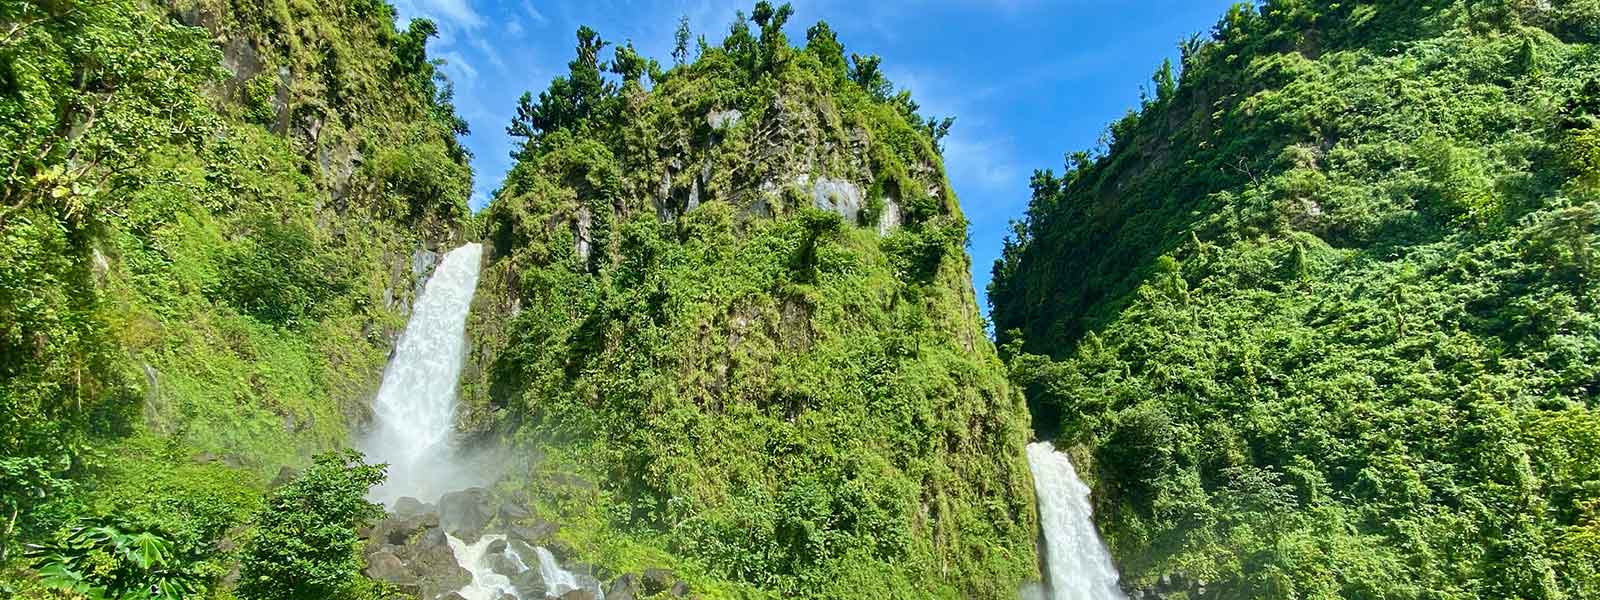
column 414, row 415
column 1077, row 564
column 414, row 412
column 487, row 584
column 492, row 574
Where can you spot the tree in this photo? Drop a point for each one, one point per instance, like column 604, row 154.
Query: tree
column 571, row 100
column 741, row 45
column 680, row 47
column 771, row 22
column 823, row 43
column 305, row 545
column 634, row 67
column 866, row 72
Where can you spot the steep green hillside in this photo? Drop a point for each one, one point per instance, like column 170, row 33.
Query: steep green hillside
column 212, row 220
column 734, row 295
column 1323, row 315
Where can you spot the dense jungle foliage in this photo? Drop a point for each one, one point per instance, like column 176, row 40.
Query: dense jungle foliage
column 208, row 222
column 734, row 294
column 1322, row 313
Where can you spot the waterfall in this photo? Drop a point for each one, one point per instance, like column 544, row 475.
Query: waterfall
column 414, row 412
column 1077, row 565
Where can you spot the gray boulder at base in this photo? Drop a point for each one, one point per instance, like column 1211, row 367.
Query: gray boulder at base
column 579, row 595
column 657, row 581
column 464, row 514
column 530, row 584
column 386, row 567
column 626, row 587
column 411, row 507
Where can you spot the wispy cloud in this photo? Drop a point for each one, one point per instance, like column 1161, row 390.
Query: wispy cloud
column 974, row 153
column 457, row 13
column 533, row 13
column 459, row 69
column 491, row 54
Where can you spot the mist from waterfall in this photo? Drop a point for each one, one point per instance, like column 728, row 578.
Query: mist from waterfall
column 1077, row 564
column 414, row 412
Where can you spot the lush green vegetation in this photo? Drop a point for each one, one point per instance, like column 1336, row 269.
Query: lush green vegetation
column 304, row 545
column 768, row 389
column 206, row 239
column 1323, row 313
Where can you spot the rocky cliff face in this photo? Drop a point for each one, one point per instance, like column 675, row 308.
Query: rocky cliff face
column 739, row 301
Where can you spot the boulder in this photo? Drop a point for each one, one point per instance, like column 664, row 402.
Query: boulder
column 503, row 564
column 397, row 530
column 513, row 511
column 657, row 581
column 579, row 595
column 626, row 587
column 530, row 584
column 464, row 514
column 432, row 537
column 385, row 566
column 436, row 567
column 536, row 534
column 528, row 554
column 411, row 507
column 452, row 596
column 496, row 547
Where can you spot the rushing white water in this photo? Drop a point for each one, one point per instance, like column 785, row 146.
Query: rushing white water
column 1077, row 565
column 414, row 412
column 486, row 583
column 559, row 580
column 492, row 583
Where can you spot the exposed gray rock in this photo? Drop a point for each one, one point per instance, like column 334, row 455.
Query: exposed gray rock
column 464, row 514
column 512, row 511
column 626, row 587
column 386, row 567
column 407, row 506
column 437, row 568
column 422, row 263
column 582, row 236
column 503, row 564
column 891, row 217
column 657, row 581
column 579, row 595
column 530, row 584
column 280, row 101
column 723, row 119
column 834, row 195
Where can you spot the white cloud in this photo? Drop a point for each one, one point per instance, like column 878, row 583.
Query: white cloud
column 460, row 71
column 449, row 14
column 490, row 54
column 987, row 163
column 533, row 13
column 514, row 28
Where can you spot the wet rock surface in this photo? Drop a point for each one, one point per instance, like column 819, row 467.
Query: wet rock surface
column 411, row 550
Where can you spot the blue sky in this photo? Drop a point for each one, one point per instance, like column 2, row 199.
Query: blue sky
column 1027, row 80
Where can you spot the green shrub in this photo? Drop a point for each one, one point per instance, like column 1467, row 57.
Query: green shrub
column 304, row 545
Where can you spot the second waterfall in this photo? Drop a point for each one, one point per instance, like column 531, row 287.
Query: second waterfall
column 1077, row 565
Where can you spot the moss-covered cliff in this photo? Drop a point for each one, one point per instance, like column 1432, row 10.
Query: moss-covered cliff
column 737, row 299
column 1323, row 314
column 214, row 218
